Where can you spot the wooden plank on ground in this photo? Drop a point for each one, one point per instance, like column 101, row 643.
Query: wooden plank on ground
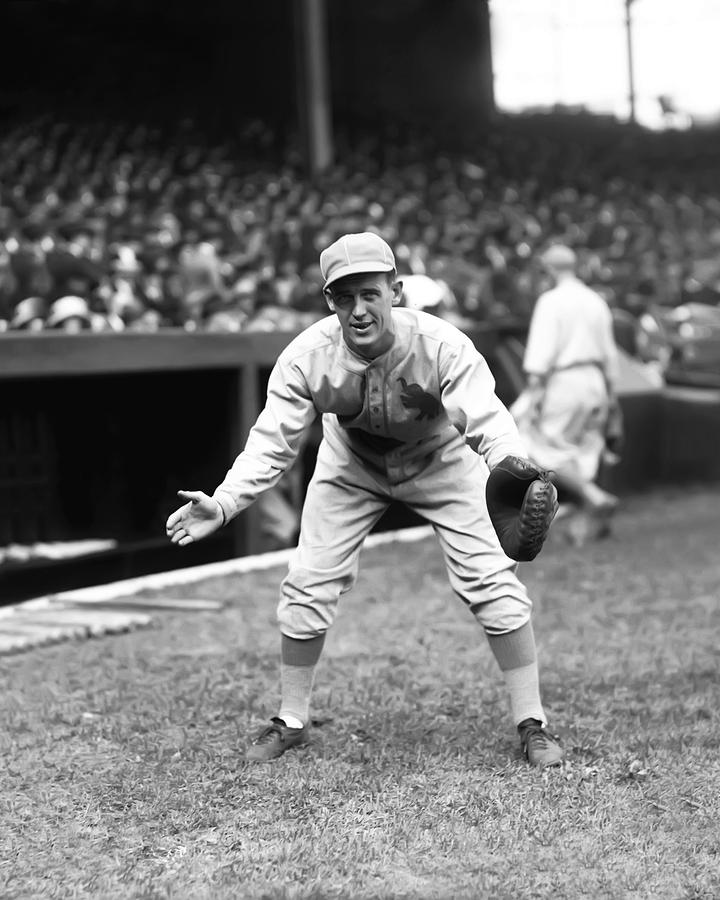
column 27, row 628
column 15, row 643
column 94, row 621
column 168, row 603
column 39, row 633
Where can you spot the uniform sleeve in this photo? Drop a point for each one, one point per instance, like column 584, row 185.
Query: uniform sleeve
column 541, row 349
column 469, row 399
column 273, row 443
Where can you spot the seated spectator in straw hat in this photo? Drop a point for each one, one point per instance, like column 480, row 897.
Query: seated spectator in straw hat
column 71, row 314
column 421, row 292
column 30, row 315
column 430, row 295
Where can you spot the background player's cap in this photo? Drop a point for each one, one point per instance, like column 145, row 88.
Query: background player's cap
column 355, row 253
column 558, row 256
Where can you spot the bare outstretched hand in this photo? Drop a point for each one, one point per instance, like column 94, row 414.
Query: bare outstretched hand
column 197, row 519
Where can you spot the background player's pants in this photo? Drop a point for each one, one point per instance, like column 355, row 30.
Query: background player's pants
column 569, row 436
column 345, row 499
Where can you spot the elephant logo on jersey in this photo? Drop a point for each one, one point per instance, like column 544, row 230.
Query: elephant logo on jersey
column 414, row 397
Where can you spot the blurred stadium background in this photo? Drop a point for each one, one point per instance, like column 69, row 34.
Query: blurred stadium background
column 169, row 173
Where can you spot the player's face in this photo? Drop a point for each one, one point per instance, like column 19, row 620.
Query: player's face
column 363, row 304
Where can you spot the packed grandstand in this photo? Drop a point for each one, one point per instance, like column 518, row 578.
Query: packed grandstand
column 113, row 226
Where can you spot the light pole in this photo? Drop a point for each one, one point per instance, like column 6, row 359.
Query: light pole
column 631, row 68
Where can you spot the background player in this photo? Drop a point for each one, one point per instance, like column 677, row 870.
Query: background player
column 409, row 414
column 571, row 365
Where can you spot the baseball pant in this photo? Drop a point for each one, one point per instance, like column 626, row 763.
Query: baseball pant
column 345, row 499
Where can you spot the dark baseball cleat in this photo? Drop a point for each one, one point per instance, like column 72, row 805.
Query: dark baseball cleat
column 274, row 740
column 540, row 748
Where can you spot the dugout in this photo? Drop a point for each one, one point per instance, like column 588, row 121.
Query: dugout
column 98, row 432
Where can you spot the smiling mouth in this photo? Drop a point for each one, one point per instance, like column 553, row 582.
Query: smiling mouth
column 361, row 327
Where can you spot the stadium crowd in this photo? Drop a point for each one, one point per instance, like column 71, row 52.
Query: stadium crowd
column 108, row 227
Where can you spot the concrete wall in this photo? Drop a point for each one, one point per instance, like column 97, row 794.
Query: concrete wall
column 672, row 434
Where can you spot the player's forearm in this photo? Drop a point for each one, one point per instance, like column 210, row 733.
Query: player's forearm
column 243, row 484
column 495, row 435
column 272, row 447
column 474, row 408
column 498, row 450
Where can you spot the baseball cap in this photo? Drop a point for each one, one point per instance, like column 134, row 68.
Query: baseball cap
column 558, row 256
column 352, row 254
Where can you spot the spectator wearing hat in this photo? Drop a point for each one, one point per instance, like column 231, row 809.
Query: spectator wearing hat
column 71, row 314
column 432, row 296
column 30, row 315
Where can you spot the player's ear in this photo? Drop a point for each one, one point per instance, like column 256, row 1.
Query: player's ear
column 397, row 292
column 329, row 301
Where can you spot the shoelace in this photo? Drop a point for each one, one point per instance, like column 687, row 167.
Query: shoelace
column 278, row 727
column 265, row 737
column 536, row 738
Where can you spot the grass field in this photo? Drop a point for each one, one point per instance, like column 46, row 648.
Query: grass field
column 121, row 758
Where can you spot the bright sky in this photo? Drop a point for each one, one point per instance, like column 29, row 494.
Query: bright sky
column 575, row 52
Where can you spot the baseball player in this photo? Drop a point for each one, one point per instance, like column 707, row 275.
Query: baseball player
column 410, row 414
column 571, row 366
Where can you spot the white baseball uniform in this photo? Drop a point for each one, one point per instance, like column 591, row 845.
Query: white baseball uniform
column 571, row 346
column 420, row 424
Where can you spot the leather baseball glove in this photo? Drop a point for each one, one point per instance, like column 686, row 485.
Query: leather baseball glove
column 522, row 502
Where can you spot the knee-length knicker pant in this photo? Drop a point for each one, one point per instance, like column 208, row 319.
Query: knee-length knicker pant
column 347, row 495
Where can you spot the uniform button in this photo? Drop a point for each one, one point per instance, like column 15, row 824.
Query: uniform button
column 374, row 409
